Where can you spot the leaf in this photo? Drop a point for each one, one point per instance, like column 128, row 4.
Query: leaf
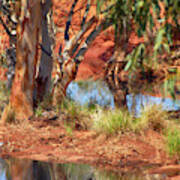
column 99, row 6
column 140, row 4
column 166, row 88
column 151, row 22
column 159, row 39
column 128, row 65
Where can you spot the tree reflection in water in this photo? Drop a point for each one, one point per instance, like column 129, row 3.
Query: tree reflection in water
column 20, row 169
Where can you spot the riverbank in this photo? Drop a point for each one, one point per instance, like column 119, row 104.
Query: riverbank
column 63, row 138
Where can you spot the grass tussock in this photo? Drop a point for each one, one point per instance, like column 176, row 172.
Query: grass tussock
column 152, row 117
column 119, row 120
column 111, row 122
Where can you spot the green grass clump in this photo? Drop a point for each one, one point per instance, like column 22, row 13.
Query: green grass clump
column 173, row 141
column 39, row 111
column 111, row 122
column 152, row 117
column 119, row 120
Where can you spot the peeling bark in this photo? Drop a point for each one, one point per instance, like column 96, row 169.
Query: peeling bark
column 29, row 26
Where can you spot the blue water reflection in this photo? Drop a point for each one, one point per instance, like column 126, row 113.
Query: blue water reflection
column 91, row 92
column 2, row 170
column 141, row 101
column 97, row 92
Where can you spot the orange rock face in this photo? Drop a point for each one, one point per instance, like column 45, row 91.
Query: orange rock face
column 101, row 49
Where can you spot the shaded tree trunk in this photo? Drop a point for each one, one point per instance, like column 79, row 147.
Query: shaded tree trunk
column 43, row 81
column 114, row 74
column 28, row 29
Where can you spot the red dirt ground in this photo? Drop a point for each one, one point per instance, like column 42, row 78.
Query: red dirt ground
column 47, row 140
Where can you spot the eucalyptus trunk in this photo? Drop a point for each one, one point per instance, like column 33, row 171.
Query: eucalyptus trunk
column 43, row 80
column 28, row 31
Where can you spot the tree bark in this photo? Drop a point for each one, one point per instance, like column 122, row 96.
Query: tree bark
column 43, row 81
column 20, row 105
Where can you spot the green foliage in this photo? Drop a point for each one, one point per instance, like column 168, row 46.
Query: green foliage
column 169, row 85
column 133, row 58
column 71, row 108
column 68, row 129
column 39, row 111
column 144, row 18
column 152, row 117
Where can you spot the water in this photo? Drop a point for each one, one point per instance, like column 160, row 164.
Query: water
column 97, row 92
column 87, row 92
column 17, row 169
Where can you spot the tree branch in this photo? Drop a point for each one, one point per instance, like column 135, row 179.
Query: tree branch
column 45, row 51
column 68, row 23
column 108, row 8
column 6, row 28
column 77, row 40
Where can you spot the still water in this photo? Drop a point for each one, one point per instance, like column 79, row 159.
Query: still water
column 14, row 169
column 97, row 92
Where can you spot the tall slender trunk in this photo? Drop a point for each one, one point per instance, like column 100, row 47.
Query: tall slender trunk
column 29, row 26
column 43, row 81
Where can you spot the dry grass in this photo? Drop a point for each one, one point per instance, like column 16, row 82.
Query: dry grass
column 111, row 122
column 152, row 117
column 118, row 120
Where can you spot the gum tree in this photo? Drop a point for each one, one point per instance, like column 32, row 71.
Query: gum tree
column 28, row 32
column 32, row 32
